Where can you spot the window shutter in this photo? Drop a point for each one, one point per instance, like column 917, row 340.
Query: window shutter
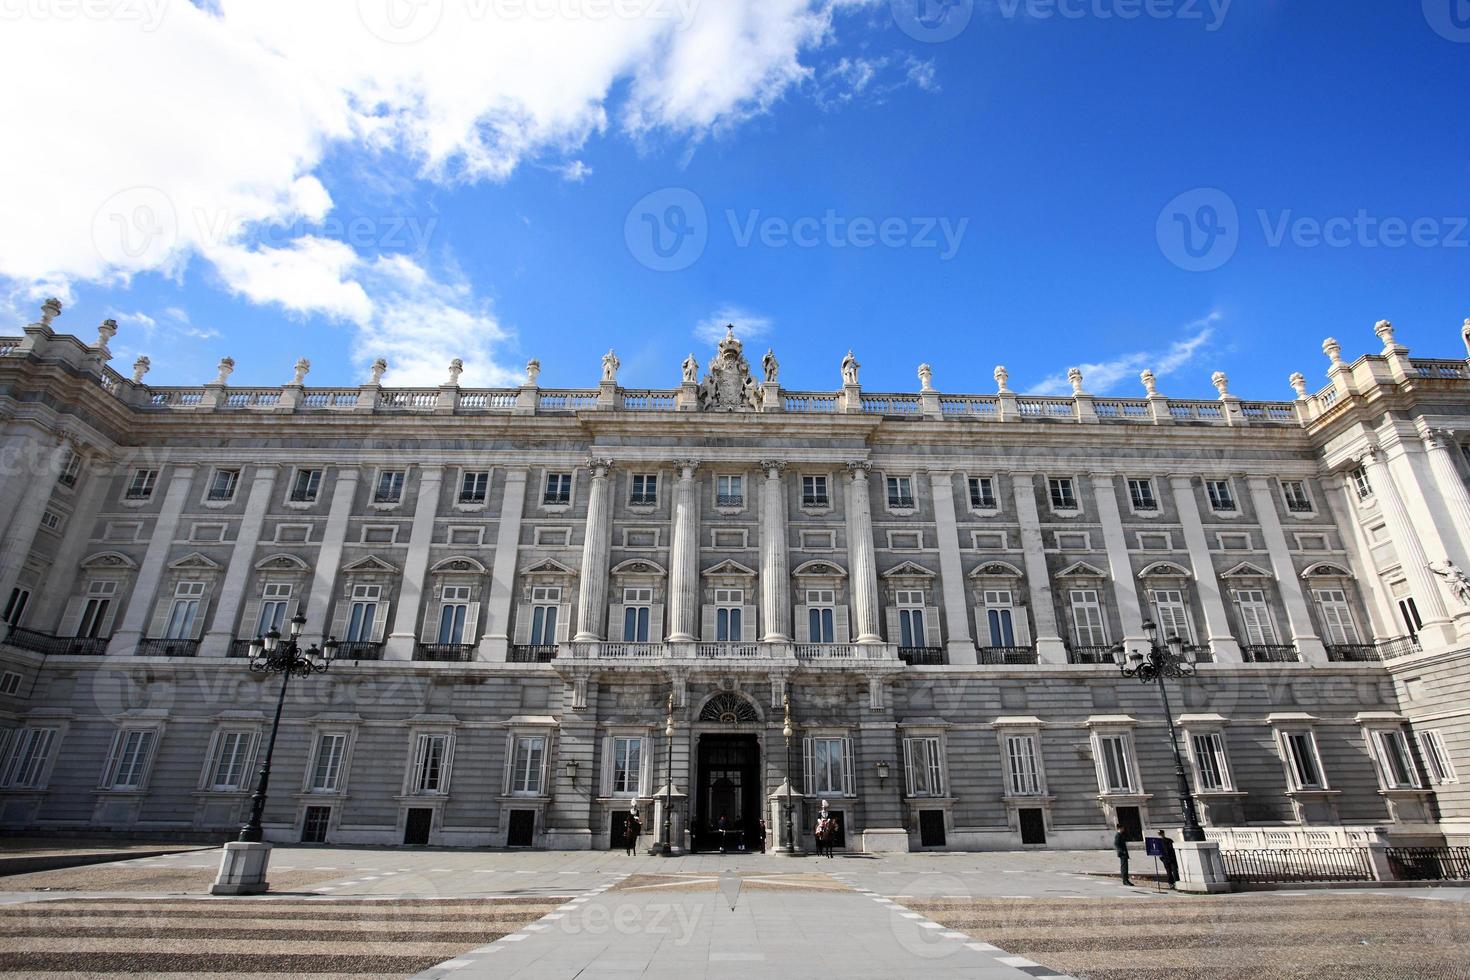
column 1021, row 625
column 656, row 623
column 841, row 632
column 615, row 622
column 105, row 629
column 446, row 764
column 159, row 622
column 895, row 629
column 747, row 624
column 71, row 619
column 429, row 631
column 801, row 625
column 524, row 613
column 707, row 631
column 339, row 619
column 472, row 623
column 202, row 615
column 563, row 622
column 249, row 620
column 112, row 754
column 908, row 765
column 807, row 776
column 932, row 636
column 380, row 621
column 605, row 787
column 420, row 747
column 849, row 783
column 645, row 768
column 510, row 758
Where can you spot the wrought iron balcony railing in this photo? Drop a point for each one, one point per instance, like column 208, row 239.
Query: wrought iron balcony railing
column 56, row 646
column 1002, row 656
column 1090, row 654
column 360, row 650
column 529, row 653
column 445, row 652
column 923, row 656
column 730, row 500
column 167, row 648
column 1270, row 653
column 1398, row 646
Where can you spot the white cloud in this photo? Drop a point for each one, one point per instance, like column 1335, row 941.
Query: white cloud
column 1102, row 378
column 748, row 326
column 310, row 275
column 574, row 172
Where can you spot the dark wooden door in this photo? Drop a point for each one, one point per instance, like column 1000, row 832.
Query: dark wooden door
column 931, row 828
column 839, row 836
column 617, row 839
column 522, row 830
column 314, row 827
column 1033, row 826
column 1132, row 822
column 416, row 827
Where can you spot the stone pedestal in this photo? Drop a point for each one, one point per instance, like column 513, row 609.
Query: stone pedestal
column 776, row 822
column 885, row 840
column 1201, row 869
column 242, row 869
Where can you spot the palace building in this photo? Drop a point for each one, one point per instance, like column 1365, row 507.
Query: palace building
column 928, row 588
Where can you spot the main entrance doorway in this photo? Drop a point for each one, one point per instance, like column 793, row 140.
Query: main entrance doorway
column 727, row 799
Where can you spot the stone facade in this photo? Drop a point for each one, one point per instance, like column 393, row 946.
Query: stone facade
column 521, row 579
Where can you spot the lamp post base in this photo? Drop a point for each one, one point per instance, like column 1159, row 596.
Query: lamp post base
column 1201, row 868
column 242, row 869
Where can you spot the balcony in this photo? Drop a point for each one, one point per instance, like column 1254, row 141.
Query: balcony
column 1007, row 656
column 167, row 648
column 726, row 652
column 543, row 653
column 445, row 652
column 1378, row 650
column 845, row 651
column 729, row 651
column 730, row 500
column 923, row 656
column 1095, row 654
column 56, row 646
column 1270, row 653
column 359, row 650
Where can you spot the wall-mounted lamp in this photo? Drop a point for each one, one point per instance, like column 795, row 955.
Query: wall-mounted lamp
column 882, row 768
column 572, row 770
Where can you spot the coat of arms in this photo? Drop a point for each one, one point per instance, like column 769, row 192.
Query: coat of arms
column 728, row 387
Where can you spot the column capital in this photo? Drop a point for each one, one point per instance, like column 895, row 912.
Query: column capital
column 599, row 465
column 859, row 468
column 686, row 468
column 773, row 468
column 1437, row 437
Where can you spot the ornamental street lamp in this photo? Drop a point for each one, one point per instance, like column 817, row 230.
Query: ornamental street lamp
column 1173, row 659
column 269, row 655
column 787, row 732
column 666, row 845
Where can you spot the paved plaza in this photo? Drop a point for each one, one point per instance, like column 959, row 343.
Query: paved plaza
column 602, row 915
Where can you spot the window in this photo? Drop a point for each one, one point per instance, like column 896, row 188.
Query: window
column 184, row 611
column 645, row 490
column 911, row 618
column 326, row 770
column 15, row 606
column 229, row 769
column 222, row 485
column 627, row 765
column 1337, row 617
column 141, row 484
column 1294, row 494
column 558, row 489
column 923, row 767
column 473, row 487
column 1171, row 614
column 1255, row 617
column 1360, row 483
column 305, row 486
column 9, row 684
column 982, row 493
column 829, row 767
column 728, row 614
column 431, row 765
column 1063, row 493
column 27, row 762
column 526, row 765
column 51, row 520
column 70, row 470
column 362, row 614
column 730, row 491
column 1302, row 761
column 1210, row 767
column 1392, row 750
column 128, row 763
column 814, row 491
column 1115, row 764
column 1436, row 757
column 389, row 488
column 97, row 613
column 544, row 604
column 275, row 600
column 820, row 608
column 1141, row 493
column 1221, row 499
column 452, row 613
column 1000, row 617
column 1087, row 619
column 637, row 609
column 1023, row 774
column 900, row 491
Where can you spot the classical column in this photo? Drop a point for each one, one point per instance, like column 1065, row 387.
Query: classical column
column 329, row 556
column 961, row 645
column 1120, row 566
column 1451, row 488
column 1298, row 617
column 1438, row 630
column 495, row 644
column 155, row 561
column 401, row 641
column 1218, row 636
column 242, row 560
column 596, row 546
column 1378, row 603
column 684, row 558
column 1050, row 648
column 27, row 456
column 25, row 519
column 47, row 604
column 775, row 570
column 863, row 566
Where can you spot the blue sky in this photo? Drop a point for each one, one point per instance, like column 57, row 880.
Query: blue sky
column 1019, row 193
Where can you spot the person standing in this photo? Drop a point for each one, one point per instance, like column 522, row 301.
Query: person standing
column 1120, row 845
column 761, row 829
column 631, row 830
column 1167, row 858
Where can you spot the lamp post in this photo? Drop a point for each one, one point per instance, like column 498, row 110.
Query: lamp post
column 787, row 732
column 667, row 846
column 1173, row 659
column 269, row 655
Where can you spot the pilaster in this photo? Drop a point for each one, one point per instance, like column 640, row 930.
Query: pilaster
column 684, row 557
column 25, row 522
column 1438, row 630
column 1050, row 648
column 1375, row 597
column 1217, row 625
column 401, row 641
column 61, row 576
column 863, row 568
column 154, row 563
column 242, row 560
column 329, row 557
column 1298, row 616
column 1120, row 566
column 775, row 571
column 596, row 547
column 960, row 646
column 495, row 644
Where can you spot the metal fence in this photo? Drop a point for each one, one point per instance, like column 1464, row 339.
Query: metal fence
column 1429, row 863
column 1298, row 864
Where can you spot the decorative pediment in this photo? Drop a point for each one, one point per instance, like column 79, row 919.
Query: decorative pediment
column 281, row 563
column 1165, row 569
column 462, row 564
column 1247, row 570
column 1326, row 569
column 997, row 569
column 638, row 566
column 1081, row 569
column 907, row 569
column 194, row 561
column 548, row 566
column 818, row 567
column 371, row 564
column 108, row 559
column 728, row 567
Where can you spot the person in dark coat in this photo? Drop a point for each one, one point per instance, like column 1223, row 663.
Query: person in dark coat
column 631, row 830
column 1167, row 859
column 762, row 831
column 1120, row 845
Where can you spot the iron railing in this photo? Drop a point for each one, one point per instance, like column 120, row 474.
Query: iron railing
column 1398, row 646
column 1286, row 864
column 56, row 646
column 360, row 650
column 1090, row 654
column 239, row 649
column 445, row 652
column 1270, row 653
column 526, row 653
column 730, row 500
column 923, row 656
column 1002, row 656
column 167, row 648
column 1429, row 863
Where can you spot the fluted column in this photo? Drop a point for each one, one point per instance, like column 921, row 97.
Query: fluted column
column 495, row 643
column 329, row 556
column 862, row 564
column 596, row 545
column 1120, row 565
column 1050, row 648
column 1217, row 625
column 1299, row 619
column 404, row 638
column 1452, row 490
column 155, row 560
column 684, row 558
column 242, row 561
column 1415, row 564
column 775, row 571
column 961, row 645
